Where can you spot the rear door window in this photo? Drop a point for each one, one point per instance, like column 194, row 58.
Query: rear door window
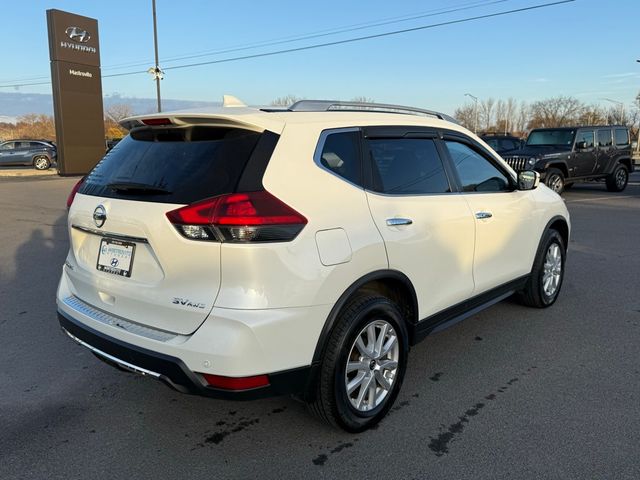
column 604, row 138
column 173, row 165
column 622, row 136
column 407, row 166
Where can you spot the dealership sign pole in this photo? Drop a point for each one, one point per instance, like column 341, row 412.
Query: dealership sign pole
column 77, row 91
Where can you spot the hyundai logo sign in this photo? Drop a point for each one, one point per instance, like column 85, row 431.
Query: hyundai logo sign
column 77, row 34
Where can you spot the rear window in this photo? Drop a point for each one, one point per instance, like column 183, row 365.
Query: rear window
column 622, row 136
column 173, row 165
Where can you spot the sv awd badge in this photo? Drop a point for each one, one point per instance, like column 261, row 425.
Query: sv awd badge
column 187, row 303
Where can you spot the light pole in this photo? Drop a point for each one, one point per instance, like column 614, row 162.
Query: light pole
column 621, row 104
column 638, row 142
column 155, row 71
column 475, row 111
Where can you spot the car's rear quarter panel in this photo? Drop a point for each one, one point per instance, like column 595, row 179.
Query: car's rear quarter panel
column 291, row 274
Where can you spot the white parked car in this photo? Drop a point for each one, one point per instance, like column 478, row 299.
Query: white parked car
column 240, row 252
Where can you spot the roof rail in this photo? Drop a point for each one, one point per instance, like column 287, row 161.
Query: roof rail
column 336, row 105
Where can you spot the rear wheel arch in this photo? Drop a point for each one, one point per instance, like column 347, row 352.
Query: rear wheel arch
column 389, row 283
column 626, row 162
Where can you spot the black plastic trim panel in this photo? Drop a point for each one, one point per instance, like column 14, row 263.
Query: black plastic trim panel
column 459, row 312
column 251, row 178
column 175, row 373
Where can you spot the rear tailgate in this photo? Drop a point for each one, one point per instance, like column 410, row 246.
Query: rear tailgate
column 173, row 281
column 126, row 257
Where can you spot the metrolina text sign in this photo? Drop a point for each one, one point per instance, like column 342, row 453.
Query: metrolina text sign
column 74, row 52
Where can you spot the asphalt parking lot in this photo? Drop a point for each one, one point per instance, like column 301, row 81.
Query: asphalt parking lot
column 509, row 393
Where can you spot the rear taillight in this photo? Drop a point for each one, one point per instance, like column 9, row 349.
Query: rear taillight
column 74, row 190
column 240, row 218
column 236, row 383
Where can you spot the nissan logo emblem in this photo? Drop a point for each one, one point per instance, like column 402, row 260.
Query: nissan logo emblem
column 77, row 34
column 99, row 216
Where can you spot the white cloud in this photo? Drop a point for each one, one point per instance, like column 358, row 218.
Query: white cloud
column 622, row 75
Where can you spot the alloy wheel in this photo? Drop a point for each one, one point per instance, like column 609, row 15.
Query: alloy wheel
column 621, row 178
column 552, row 270
column 41, row 163
column 372, row 365
column 555, row 183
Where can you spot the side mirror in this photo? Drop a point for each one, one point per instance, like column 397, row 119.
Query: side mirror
column 528, row 180
column 581, row 145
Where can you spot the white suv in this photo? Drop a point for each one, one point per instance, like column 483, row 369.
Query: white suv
column 240, row 253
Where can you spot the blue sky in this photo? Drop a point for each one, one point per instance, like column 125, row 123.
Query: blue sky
column 587, row 49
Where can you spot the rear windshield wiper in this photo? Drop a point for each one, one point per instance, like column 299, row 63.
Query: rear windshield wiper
column 138, row 188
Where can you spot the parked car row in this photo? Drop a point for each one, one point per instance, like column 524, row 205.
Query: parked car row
column 40, row 154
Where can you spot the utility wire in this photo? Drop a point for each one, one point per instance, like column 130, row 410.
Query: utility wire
column 316, row 34
column 335, row 31
column 289, row 39
column 337, row 42
column 369, row 37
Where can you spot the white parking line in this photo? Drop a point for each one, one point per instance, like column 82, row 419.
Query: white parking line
column 595, row 199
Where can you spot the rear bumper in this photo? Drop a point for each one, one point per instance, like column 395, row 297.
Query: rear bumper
column 171, row 370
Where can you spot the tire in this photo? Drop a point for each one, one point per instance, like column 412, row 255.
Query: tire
column 555, row 180
column 548, row 266
column 41, row 162
column 359, row 410
column 618, row 179
column 568, row 186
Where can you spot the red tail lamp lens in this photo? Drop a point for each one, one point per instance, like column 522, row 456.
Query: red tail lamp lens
column 239, row 217
column 74, row 190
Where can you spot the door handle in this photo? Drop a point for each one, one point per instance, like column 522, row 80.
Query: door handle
column 483, row 215
column 394, row 222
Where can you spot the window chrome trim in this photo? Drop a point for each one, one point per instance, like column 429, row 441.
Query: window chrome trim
column 317, row 154
column 117, row 236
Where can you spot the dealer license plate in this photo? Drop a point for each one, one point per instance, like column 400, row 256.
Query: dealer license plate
column 116, row 256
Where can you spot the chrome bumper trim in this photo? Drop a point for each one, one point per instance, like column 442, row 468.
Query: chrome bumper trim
column 111, row 358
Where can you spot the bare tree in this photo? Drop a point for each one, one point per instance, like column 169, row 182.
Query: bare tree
column 285, row 101
column 363, row 99
column 486, row 107
column 113, row 114
column 118, row 111
column 522, row 119
column 35, row 125
column 512, row 109
column 501, row 122
column 592, row 115
column 466, row 115
column 555, row 112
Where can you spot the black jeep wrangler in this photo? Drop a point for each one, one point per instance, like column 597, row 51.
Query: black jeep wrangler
column 574, row 154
